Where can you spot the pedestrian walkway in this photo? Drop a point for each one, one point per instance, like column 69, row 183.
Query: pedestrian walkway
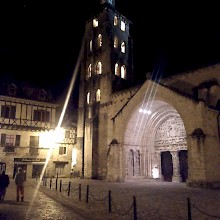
column 36, row 206
column 153, row 200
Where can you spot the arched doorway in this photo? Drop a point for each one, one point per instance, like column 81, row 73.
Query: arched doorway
column 158, row 139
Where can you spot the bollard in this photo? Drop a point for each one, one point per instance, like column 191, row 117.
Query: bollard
column 189, row 209
column 109, row 201
column 60, row 185
column 80, row 192
column 56, row 183
column 69, row 188
column 87, row 194
column 135, row 208
column 50, row 183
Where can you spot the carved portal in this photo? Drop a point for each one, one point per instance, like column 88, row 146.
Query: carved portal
column 171, row 137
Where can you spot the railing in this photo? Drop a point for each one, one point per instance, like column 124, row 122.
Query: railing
column 26, row 124
column 108, row 203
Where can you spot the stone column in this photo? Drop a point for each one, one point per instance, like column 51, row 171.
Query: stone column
column 176, row 166
column 158, row 163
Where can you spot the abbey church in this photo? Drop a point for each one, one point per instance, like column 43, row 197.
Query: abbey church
column 167, row 130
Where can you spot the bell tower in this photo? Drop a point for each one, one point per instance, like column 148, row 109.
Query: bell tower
column 106, row 67
column 112, row 2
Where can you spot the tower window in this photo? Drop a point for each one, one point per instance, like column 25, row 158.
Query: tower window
column 122, row 25
column 115, row 21
column 123, row 47
column 123, row 72
column 95, row 22
column 89, row 112
column 88, row 98
column 115, row 42
column 89, row 70
column 98, row 96
column 99, row 40
column 99, row 68
column 117, row 73
column 90, row 45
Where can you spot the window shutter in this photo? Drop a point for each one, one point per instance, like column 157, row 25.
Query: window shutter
column 3, row 139
column 17, row 140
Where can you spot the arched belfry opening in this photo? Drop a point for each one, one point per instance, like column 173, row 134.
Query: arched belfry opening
column 155, row 144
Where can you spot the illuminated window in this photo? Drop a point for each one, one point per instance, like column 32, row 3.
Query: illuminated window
column 90, row 70
column 88, row 97
column 115, row 42
column 123, row 72
column 99, row 40
column 117, row 73
column 90, row 45
column 95, row 22
column 115, row 20
column 123, row 47
column 99, row 68
column 98, row 96
column 62, row 150
column 122, row 25
column 89, row 112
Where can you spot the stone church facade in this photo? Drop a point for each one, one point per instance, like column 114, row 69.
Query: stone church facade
column 164, row 129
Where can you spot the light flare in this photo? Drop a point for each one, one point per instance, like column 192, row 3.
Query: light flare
column 53, row 141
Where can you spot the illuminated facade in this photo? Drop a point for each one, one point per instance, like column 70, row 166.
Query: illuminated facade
column 27, row 132
column 167, row 130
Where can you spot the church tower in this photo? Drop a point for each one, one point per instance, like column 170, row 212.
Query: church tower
column 106, row 67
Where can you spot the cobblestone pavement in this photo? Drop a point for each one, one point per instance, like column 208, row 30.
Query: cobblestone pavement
column 36, row 206
column 133, row 200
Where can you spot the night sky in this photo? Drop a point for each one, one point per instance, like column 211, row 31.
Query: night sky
column 40, row 40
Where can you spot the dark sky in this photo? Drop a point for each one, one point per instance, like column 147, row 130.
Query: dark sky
column 40, row 40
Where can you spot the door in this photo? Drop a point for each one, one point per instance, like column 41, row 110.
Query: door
column 166, row 166
column 183, row 159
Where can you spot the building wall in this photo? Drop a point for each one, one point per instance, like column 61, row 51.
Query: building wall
column 33, row 158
